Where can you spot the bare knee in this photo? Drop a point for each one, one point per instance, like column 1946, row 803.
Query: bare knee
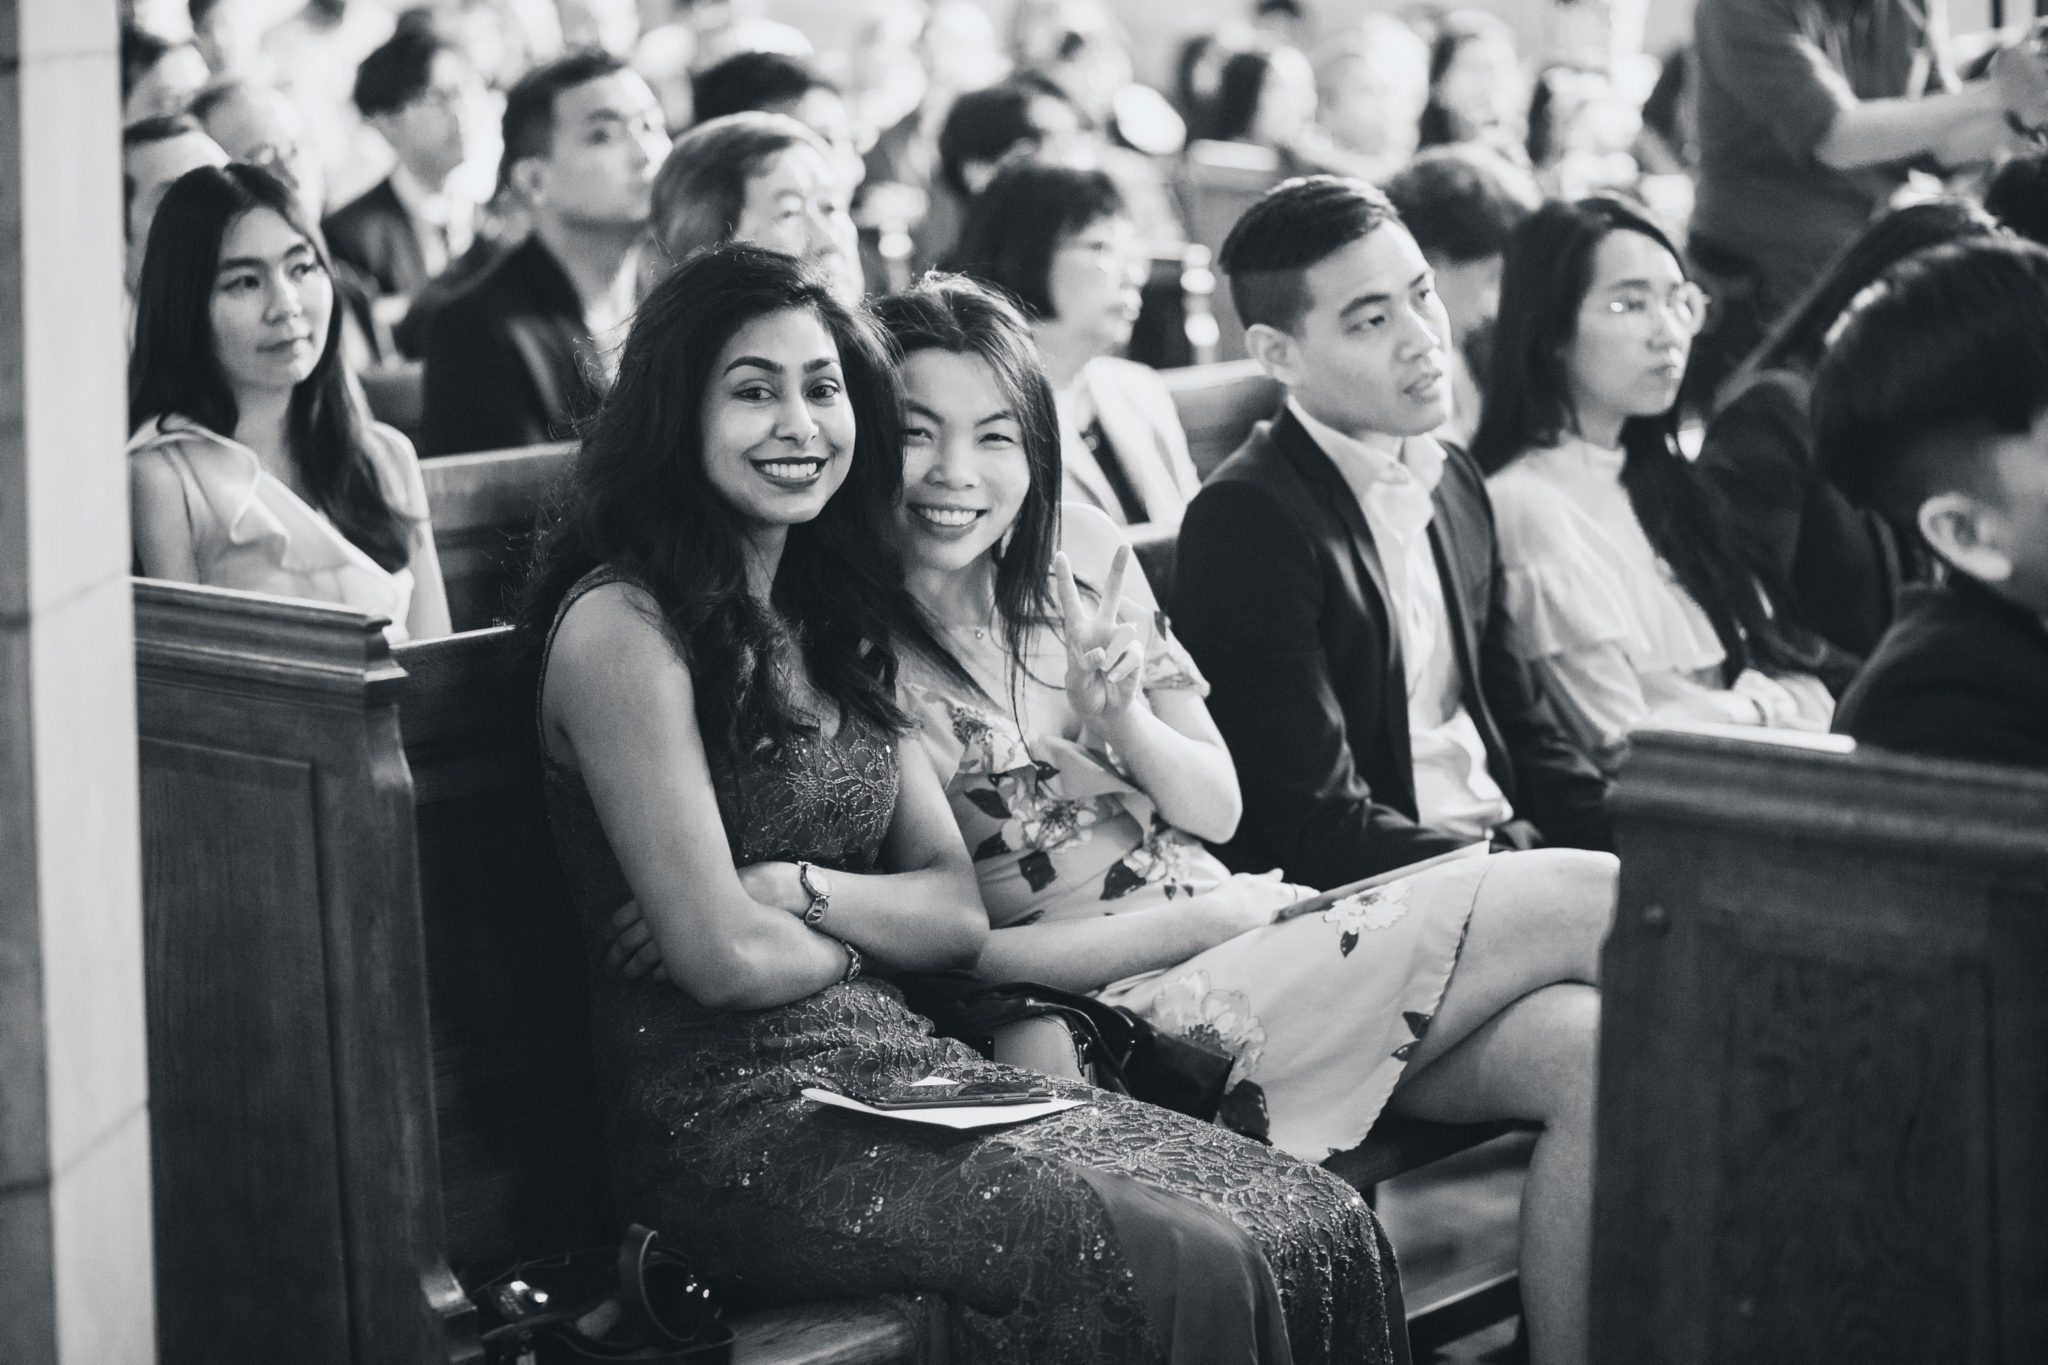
column 1565, row 1023
column 1563, row 902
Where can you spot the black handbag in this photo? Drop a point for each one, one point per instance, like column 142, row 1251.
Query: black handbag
column 1127, row 1054
column 640, row 1301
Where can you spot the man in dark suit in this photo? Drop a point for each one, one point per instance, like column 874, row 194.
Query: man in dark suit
column 520, row 356
column 1932, row 407
column 1338, row 581
column 404, row 232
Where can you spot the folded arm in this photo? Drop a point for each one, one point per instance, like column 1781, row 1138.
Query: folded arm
column 620, row 704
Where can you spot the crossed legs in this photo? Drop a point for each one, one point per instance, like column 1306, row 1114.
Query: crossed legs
column 1515, row 1036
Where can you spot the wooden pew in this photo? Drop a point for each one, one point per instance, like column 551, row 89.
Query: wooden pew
column 1824, row 1060
column 367, row 1062
column 1217, row 182
column 484, row 508
column 1219, row 405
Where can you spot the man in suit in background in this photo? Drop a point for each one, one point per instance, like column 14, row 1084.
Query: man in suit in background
column 1338, row 580
column 520, row 356
column 405, row 231
column 1932, row 407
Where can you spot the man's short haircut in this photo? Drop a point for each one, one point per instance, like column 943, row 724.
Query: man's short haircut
column 1949, row 349
column 140, row 50
column 399, row 72
column 2018, row 196
column 529, row 125
column 1298, row 224
column 982, row 125
column 1460, row 204
column 748, row 81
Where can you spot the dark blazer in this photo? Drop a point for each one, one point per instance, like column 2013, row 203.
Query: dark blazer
column 1962, row 673
column 502, row 362
column 1280, row 594
column 374, row 236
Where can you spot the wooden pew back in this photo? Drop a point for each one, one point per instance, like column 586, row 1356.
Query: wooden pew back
column 485, row 507
column 1219, row 405
column 1824, row 1060
column 297, row 1214
column 521, row 1157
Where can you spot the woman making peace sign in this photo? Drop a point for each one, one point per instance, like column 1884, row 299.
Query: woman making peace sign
column 1079, row 759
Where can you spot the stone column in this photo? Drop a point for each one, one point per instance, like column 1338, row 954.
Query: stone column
column 75, row 1258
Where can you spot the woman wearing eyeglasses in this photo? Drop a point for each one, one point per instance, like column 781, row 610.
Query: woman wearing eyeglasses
column 1623, row 590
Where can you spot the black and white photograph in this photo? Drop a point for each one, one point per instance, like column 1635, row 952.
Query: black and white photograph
column 1023, row 682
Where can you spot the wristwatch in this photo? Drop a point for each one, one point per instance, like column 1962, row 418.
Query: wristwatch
column 817, row 885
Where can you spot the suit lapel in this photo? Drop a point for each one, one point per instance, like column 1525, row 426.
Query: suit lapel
column 1315, row 468
column 1135, row 441
column 1084, row 474
column 408, row 263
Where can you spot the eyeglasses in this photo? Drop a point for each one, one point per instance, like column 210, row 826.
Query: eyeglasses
column 1685, row 305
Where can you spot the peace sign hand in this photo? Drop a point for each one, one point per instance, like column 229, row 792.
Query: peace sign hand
column 1105, row 657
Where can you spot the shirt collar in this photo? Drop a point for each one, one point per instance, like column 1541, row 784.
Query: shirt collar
column 421, row 203
column 1420, row 463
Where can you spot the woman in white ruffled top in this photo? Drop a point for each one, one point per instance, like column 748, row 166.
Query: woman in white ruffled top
column 1622, row 588
column 253, row 465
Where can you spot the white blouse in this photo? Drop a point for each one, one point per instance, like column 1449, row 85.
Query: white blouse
column 1615, row 641
column 251, row 532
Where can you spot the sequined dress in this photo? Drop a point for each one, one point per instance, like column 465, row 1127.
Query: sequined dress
column 1114, row 1232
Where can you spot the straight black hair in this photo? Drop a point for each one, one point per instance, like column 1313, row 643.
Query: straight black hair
column 400, row 71
column 1016, row 224
column 1545, row 276
column 955, row 314
column 754, row 80
column 639, row 499
column 175, row 364
column 1953, row 341
column 1297, row 224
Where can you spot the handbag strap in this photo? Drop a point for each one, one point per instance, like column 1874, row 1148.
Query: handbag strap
column 641, row 1253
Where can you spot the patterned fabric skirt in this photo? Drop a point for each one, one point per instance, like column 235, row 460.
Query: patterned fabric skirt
column 1320, row 1013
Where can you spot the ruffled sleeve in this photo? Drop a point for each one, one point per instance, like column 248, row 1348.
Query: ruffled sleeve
column 1572, row 581
column 1558, row 594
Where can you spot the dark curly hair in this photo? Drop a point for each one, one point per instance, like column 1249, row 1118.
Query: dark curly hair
column 640, row 501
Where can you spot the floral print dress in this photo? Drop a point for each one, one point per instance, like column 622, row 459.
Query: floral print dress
column 1319, row 1013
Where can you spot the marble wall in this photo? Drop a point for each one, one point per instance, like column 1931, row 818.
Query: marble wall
column 74, row 1132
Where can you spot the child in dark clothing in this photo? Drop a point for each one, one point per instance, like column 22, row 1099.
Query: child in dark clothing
column 1932, row 407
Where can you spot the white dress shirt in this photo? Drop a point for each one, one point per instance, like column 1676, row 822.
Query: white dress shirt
column 1454, row 792
column 443, row 224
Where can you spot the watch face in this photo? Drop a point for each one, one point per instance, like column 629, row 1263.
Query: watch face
column 820, row 881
